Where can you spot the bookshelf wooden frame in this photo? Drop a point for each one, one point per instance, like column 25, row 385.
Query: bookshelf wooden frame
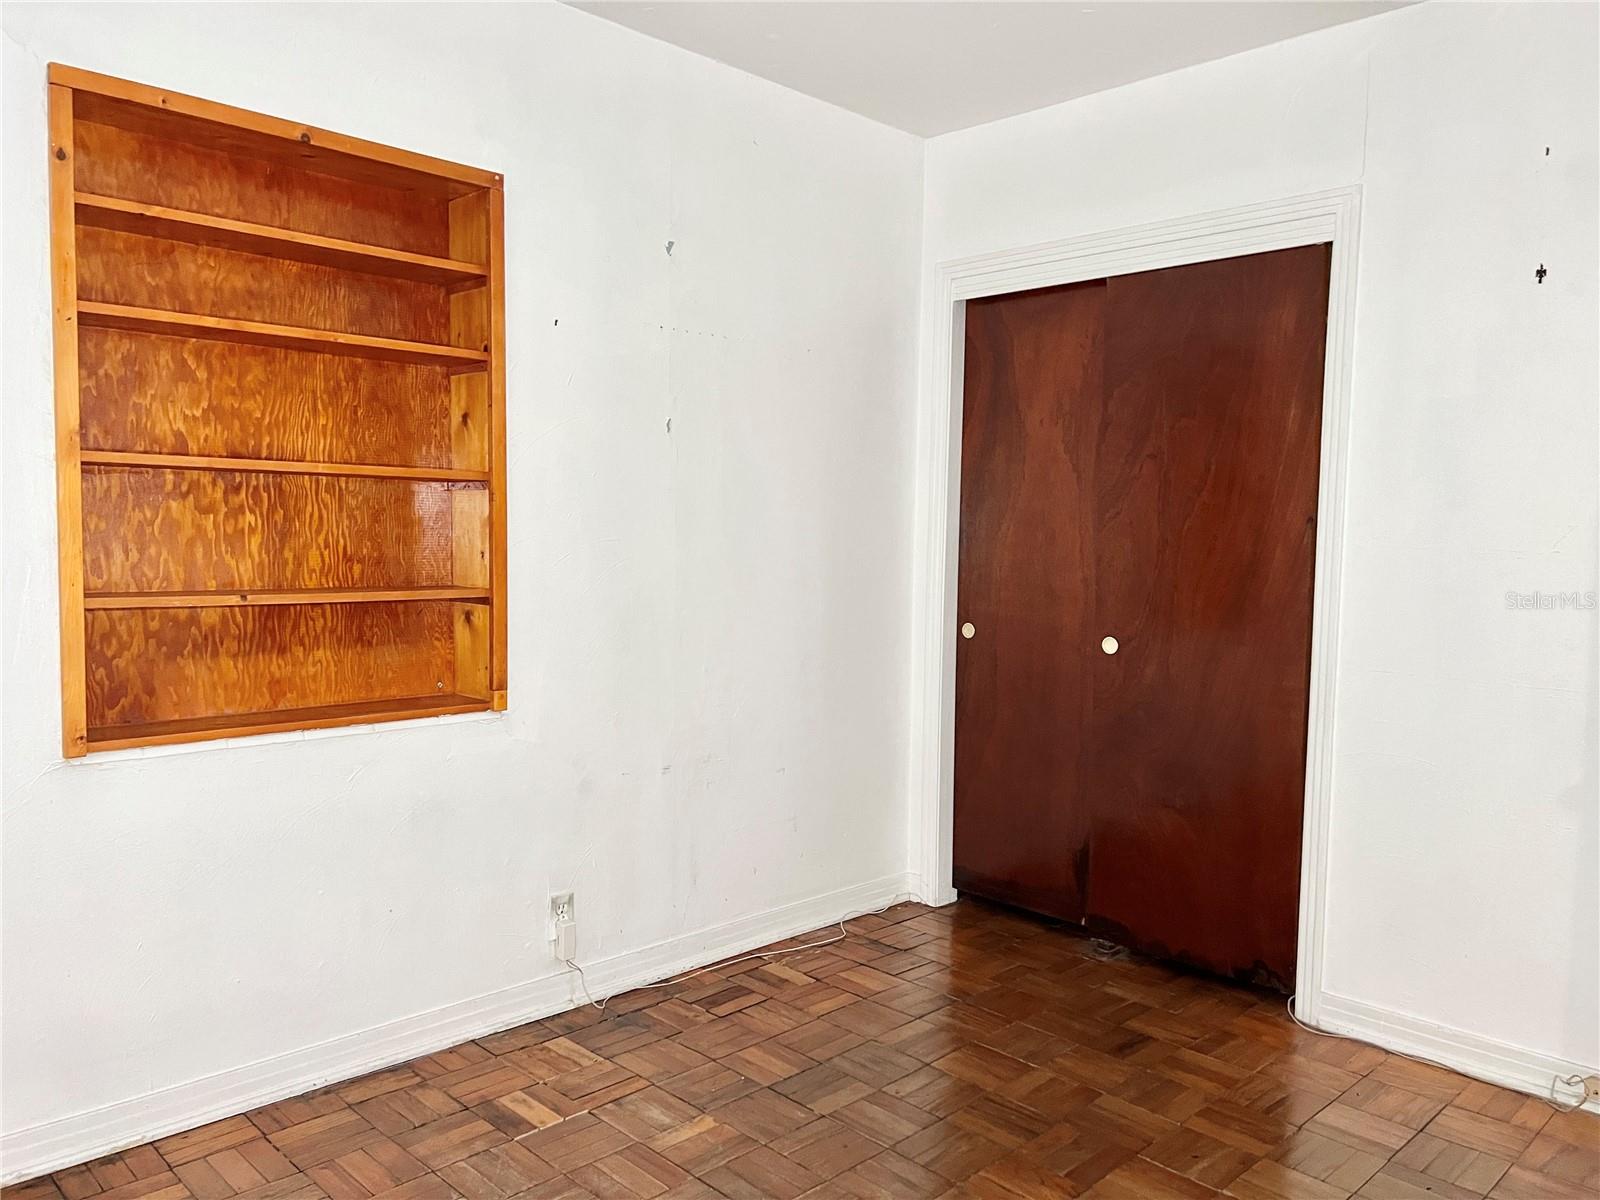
column 280, row 422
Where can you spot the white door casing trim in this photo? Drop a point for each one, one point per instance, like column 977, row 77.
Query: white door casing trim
column 1329, row 216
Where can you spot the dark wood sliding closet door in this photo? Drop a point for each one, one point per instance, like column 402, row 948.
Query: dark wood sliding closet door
column 1031, row 409
column 1168, row 501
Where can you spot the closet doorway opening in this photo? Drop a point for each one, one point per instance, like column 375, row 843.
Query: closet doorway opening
column 1181, row 390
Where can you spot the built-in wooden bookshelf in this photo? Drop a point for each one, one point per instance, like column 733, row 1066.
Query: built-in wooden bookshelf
column 280, row 423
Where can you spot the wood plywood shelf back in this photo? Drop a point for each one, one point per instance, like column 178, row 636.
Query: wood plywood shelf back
column 239, row 132
column 322, row 716
column 280, row 422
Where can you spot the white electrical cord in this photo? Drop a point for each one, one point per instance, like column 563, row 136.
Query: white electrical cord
column 1555, row 1103
column 728, row 962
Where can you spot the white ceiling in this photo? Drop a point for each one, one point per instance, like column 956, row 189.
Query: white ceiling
column 929, row 68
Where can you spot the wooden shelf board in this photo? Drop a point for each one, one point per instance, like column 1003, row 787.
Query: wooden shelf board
column 97, row 314
column 153, row 220
column 280, row 466
column 119, row 102
column 267, row 596
column 199, row 729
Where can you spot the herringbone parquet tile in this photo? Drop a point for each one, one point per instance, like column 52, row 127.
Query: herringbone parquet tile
column 963, row 1052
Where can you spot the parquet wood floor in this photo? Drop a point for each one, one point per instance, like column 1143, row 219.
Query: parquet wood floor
column 961, row 1052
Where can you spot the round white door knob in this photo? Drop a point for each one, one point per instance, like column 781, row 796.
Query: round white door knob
column 967, row 630
column 1109, row 645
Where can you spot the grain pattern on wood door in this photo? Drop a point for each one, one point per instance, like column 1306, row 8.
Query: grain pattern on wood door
column 1206, row 504
column 1032, row 399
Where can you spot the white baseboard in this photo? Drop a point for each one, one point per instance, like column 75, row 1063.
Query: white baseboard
column 926, row 893
column 52, row 1145
column 1510, row 1066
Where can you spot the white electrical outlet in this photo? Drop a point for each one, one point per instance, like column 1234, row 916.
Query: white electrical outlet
column 564, row 926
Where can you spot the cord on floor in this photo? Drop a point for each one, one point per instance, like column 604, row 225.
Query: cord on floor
column 600, row 1005
column 583, row 983
column 1552, row 1099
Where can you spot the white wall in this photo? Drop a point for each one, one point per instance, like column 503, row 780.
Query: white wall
column 709, row 628
column 1464, row 847
column 708, row 636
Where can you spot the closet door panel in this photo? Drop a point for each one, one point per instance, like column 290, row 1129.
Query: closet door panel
column 1205, row 508
column 1033, row 395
